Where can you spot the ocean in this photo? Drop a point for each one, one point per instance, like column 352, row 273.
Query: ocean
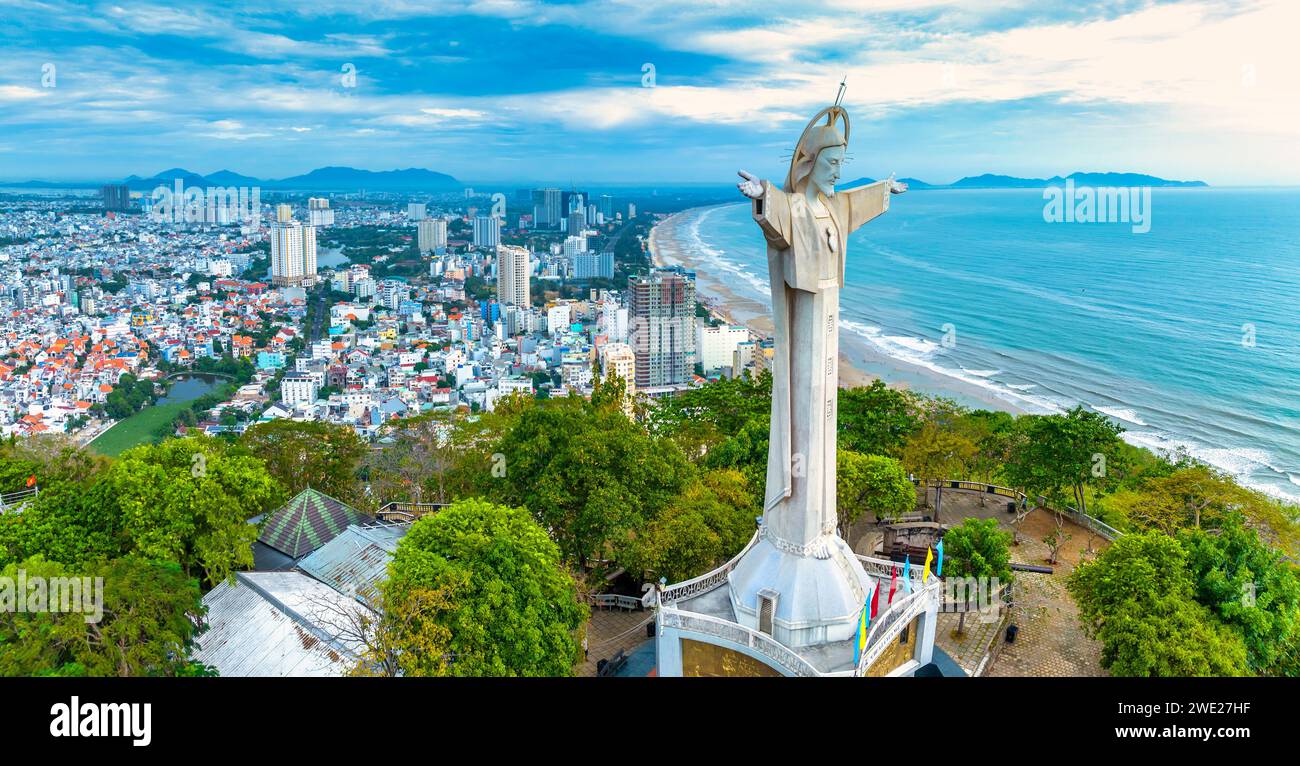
column 1188, row 335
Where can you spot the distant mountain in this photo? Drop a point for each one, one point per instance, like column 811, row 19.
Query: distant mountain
column 993, row 181
column 321, row 179
column 348, row 179
column 231, row 178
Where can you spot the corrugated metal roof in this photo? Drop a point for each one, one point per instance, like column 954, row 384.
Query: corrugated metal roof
column 355, row 562
column 276, row 624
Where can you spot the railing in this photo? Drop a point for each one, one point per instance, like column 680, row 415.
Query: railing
column 702, row 584
column 761, row 643
column 1078, row 517
column 13, row 501
column 887, row 627
column 885, row 568
column 614, row 600
column 407, row 511
column 1093, row 523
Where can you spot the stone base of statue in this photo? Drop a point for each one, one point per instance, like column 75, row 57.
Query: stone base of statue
column 800, row 598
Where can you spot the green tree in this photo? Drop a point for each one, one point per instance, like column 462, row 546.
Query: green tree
column 979, row 549
column 706, row 526
column 1137, row 599
column 876, row 419
column 189, row 501
column 311, row 454
column 935, row 453
column 1059, row 454
column 871, row 483
column 513, row 608
column 1250, row 588
column 151, row 614
column 589, row 476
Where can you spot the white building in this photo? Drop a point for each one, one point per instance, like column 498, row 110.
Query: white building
column 432, row 234
column 558, row 318
column 415, row 211
column 513, row 270
column 715, row 346
column 293, row 253
column 487, row 231
column 319, row 213
column 298, row 388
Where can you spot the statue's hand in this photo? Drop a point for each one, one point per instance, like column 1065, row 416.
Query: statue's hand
column 896, row 187
column 750, row 187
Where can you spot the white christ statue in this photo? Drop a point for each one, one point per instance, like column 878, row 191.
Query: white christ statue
column 800, row 581
column 807, row 224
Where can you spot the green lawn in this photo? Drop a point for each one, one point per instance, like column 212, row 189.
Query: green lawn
column 137, row 429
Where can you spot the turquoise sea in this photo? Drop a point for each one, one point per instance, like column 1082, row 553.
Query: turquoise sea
column 1188, row 335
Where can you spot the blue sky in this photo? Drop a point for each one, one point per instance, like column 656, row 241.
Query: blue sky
column 522, row 91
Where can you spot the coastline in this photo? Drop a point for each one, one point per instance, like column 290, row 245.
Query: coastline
column 859, row 363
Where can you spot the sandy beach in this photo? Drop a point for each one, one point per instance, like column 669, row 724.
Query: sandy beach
column 860, row 364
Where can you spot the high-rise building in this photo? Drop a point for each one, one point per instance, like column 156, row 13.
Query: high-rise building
column 415, row 211
column 487, row 231
column 432, row 234
column 716, row 346
column 576, row 223
column 631, row 210
column 293, row 252
column 662, row 327
column 283, row 213
column 593, row 265
column 546, row 208
column 319, row 213
column 513, row 271
column 607, row 206
column 116, row 196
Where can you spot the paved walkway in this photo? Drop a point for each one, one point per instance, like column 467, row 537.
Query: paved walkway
column 610, row 630
column 1051, row 641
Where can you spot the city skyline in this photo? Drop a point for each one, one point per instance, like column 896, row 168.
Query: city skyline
column 530, row 92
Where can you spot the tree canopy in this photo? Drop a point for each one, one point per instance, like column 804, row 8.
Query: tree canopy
column 513, row 607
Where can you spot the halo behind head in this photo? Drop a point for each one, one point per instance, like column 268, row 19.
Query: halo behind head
column 813, row 139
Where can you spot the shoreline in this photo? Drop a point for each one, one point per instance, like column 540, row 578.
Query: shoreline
column 860, row 365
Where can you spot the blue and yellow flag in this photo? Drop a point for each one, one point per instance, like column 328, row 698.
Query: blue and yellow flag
column 929, row 557
column 907, row 575
column 860, row 640
column 938, row 566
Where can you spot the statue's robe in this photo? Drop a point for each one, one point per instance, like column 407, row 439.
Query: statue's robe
column 805, row 261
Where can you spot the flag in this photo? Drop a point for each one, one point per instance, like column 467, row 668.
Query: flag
column 860, row 639
column 907, row 575
column 893, row 582
column 31, row 480
column 875, row 600
column 938, row 567
column 929, row 557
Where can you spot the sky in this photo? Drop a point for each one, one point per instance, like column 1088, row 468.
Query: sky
column 638, row 91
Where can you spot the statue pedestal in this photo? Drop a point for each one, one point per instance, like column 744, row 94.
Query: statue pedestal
column 797, row 598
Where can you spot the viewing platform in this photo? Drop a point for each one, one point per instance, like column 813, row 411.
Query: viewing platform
column 698, row 633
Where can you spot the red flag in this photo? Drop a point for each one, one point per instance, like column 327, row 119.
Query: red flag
column 875, row 601
column 893, row 581
column 31, row 480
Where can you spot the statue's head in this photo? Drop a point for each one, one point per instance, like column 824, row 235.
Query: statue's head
column 819, row 156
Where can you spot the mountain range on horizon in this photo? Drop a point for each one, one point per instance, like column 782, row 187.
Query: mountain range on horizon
column 347, row 179
column 994, row 181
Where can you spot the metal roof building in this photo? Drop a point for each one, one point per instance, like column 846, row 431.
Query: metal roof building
column 355, row 562
column 278, row 624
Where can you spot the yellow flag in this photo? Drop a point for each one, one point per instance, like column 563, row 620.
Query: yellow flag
column 929, row 557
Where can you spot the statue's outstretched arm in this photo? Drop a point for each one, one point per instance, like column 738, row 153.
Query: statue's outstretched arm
column 771, row 210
